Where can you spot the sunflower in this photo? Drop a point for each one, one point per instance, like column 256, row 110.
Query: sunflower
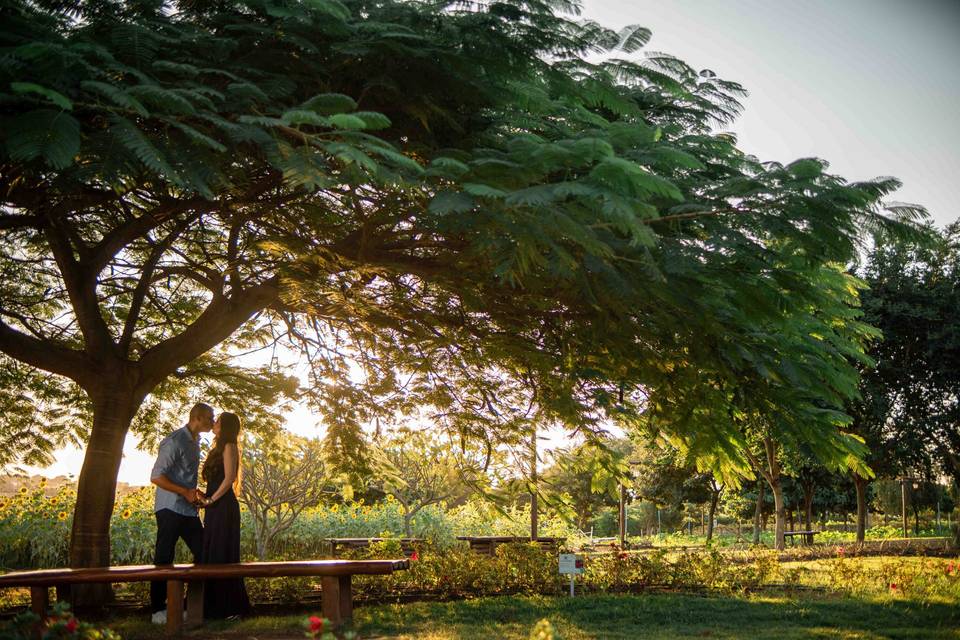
column 333, row 508
column 126, row 514
column 23, row 491
column 54, row 500
column 390, row 497
column 62, row 515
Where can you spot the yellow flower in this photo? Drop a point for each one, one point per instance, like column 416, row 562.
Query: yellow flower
column 43, row 482
column 126, row 514
column 23, row 491
column 62, row 515
column 53, row 500
column 390, row 497
column 333, row 508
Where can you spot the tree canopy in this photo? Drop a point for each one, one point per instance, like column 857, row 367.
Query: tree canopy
column 439, row 204
column 909, row 406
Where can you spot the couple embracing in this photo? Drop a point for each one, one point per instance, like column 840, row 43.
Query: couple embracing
column 178, row 500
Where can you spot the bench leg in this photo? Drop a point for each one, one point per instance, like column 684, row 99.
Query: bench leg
column 194, row 604
column 174, row 607
column 39, row 604
column 337, row 601
column 39, row 601
column 346, row 598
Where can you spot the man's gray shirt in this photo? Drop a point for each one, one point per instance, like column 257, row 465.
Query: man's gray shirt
column 179, row 461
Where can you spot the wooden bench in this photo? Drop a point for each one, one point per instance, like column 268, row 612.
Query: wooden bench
column 336, row 603
column 488, row 544
column 338, row 544
column 805, row 536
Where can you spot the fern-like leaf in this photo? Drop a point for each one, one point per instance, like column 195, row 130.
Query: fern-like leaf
column 43, row 133
column 55, row 97
column 131, row 138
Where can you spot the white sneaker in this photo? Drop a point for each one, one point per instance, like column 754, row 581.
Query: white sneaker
column 160, row 617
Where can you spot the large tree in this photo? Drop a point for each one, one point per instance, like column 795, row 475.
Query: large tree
column 439, row 204
column 909, row 409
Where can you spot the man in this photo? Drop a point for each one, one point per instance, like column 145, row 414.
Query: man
column 177, row 497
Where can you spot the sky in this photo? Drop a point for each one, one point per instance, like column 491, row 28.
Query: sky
column 872, row 86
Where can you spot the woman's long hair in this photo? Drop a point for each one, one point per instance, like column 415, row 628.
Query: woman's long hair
column 229, row 432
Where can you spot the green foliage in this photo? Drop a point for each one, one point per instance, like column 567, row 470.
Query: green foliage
column 59, row 623
column 909, row 400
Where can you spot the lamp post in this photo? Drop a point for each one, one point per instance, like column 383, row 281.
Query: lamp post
column 623, row 516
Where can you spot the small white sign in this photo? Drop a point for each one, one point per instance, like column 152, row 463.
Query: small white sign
column 571, row 563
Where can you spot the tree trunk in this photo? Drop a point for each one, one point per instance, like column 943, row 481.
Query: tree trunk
column 711, row 514
column 758, row 511
column 777, row 489
column 113, row 409
column 860, row 484
column 772, row 475
column 807, row 509
column 407, row 526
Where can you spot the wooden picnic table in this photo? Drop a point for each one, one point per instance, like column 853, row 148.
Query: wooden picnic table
column 406, row 544
column 805, row 536
column 488, row 544
column 337, row 592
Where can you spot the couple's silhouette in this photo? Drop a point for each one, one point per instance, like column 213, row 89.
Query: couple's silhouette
column 178, row 500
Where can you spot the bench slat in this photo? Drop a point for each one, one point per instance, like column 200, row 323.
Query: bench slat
column 49, row 577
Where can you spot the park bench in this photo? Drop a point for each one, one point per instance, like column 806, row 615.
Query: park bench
column 336, row 601
column 805, row 536
column 338, row 544
column 488, row 544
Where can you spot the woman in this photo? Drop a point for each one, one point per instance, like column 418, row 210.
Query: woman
column 221, row 528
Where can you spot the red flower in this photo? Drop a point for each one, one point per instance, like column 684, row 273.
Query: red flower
column 316, row 624
column 950, row 568
column 839, row 551
column 414, row 556
column 71, row 625
column 893, row 586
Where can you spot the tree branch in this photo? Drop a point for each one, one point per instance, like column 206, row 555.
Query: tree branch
column 113, row 242
column 46, row 355
column 143, row 285
column 218, row 321
column 81, row 289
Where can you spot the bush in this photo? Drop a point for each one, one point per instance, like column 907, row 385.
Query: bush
column 60, row 623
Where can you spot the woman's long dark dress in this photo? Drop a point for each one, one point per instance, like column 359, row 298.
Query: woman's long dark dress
column 221, row 545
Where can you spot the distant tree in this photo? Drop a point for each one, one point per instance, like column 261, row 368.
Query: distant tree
column 281, row 477
column 421, row 470
column 909, row 411
column 587, row 479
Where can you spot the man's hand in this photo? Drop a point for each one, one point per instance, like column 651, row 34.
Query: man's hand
column 191, row 495
column 201, row 500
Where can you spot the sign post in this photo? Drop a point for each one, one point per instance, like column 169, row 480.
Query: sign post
column 572, row 565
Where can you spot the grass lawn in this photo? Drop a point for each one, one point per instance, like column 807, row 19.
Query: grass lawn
column 651, row 616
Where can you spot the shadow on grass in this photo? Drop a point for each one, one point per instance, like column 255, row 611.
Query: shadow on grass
column 663, row 616
column 612, row 617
